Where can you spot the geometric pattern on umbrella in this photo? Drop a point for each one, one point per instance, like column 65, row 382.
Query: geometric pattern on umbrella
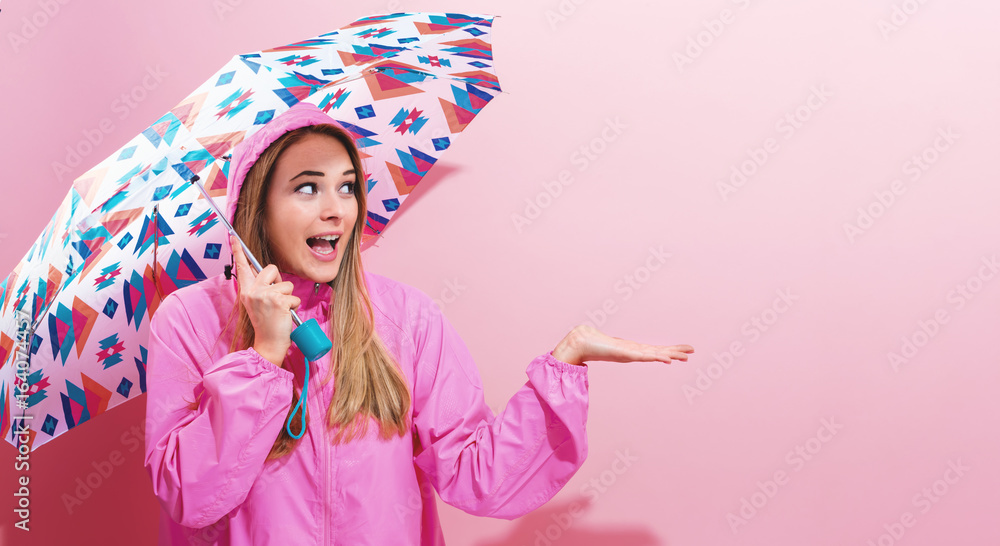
column 131, row 230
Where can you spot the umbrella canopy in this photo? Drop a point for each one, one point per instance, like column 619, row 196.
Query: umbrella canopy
column 74, row 312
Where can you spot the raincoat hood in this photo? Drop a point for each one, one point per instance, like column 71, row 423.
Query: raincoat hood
column 247, row 152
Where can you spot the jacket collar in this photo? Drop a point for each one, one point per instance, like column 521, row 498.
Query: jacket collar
column 312, row 294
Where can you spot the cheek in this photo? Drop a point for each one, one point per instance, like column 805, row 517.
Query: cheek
column 286, row 220
column 288, row 210
column 354, row 211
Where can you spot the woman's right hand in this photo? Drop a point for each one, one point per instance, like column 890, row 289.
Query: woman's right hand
column 267, row 300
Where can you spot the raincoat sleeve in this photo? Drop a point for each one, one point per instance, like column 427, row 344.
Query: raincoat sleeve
column 203, row 461
column 505, row 465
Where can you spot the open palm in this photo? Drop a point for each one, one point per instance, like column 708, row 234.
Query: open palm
column 586, row 343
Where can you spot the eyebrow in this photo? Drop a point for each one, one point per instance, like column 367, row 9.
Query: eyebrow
column 317, row 173
column 309, row 173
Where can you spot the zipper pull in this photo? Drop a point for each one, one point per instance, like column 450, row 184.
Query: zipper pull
column 316, row 289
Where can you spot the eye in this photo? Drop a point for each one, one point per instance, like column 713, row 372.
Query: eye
column 310, row 185
column 349, row 186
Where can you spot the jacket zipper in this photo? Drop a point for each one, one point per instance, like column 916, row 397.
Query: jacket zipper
column 320, row 423
column 326, row 480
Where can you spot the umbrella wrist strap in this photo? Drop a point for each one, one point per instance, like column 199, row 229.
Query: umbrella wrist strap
column 305, row 394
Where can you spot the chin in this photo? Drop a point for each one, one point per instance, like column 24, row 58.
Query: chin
column 324, row 276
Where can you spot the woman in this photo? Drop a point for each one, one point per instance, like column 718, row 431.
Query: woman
column 394, row 411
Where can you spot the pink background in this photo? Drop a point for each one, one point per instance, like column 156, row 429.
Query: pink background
column 693, row 459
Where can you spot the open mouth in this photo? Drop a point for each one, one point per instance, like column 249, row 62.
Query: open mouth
column 323, row 245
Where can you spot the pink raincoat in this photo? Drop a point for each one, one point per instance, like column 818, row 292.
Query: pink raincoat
column 209, row 465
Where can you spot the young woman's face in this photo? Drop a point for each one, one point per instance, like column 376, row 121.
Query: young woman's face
column 311, row 198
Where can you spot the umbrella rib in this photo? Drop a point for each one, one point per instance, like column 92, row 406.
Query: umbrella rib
column 156, row 247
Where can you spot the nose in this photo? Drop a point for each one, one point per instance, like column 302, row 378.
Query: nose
column 333, row 206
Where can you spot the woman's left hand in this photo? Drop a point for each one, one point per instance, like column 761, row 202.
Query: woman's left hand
column 585, row 343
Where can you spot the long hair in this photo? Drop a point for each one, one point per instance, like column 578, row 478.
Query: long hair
column 369, row 383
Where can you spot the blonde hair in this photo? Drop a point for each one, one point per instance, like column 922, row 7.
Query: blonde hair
column 369, row 383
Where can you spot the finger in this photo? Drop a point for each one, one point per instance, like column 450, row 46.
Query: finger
column 666, row 356
column 238, row 256
column 678, row 348
column 673, row 352
column 268, row 276
column 632, row 351
column 285, row 287
column 244, row 273
column 668, row 353
column 661, row 353
column 675, row 355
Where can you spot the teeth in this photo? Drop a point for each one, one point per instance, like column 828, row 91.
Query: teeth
column 329, row 237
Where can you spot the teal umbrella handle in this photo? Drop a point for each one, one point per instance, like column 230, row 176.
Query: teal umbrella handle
column 311, row 340
column 313, row 343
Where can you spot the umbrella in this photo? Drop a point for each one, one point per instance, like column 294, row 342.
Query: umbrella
column 74, row 312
